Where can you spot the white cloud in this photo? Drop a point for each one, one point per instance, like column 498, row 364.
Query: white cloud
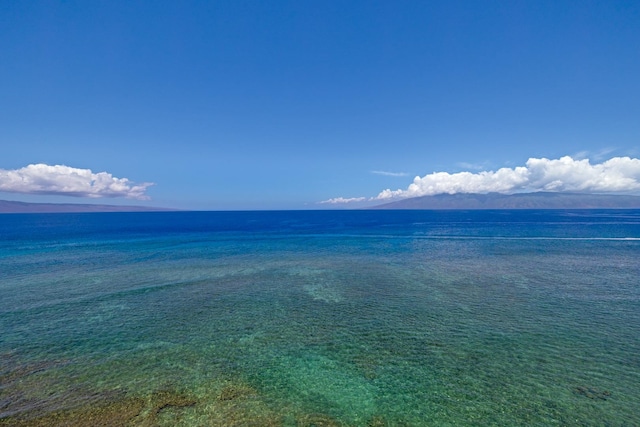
column 68, row 181
column 342, row 200
column 618, row 174
column 390, row 173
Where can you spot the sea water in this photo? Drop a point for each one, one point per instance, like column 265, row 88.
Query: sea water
column 321, row 318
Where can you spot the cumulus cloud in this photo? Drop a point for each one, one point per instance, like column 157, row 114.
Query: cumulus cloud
column 618, row 174
column 342, row 200
column 68, row 181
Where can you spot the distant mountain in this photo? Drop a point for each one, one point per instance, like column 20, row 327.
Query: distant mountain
column 541, row 200
column 23, row 207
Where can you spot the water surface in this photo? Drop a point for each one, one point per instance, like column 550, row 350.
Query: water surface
column 356, row 318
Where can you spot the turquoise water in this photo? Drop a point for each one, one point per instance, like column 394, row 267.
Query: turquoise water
column 357, row 318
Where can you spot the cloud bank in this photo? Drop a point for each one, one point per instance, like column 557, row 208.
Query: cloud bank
column 566, row 174
column 618, row 174
column 68, row 181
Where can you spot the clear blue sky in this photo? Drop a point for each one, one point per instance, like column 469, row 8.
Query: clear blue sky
column 282, row 104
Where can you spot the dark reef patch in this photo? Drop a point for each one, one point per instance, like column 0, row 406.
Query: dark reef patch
column 592, row 393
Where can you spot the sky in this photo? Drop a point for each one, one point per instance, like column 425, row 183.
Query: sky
column 223, row 105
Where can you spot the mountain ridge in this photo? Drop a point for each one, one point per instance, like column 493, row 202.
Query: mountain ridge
column 537, row 200
column 7, row 206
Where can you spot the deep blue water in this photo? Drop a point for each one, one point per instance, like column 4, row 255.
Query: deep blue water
column 359, row 318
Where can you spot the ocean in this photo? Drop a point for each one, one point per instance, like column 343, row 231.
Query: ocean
column 320, row 318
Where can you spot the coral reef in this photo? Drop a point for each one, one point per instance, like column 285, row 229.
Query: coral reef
column 115, row 414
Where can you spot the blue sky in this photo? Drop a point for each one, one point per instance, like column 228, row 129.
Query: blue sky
column 281, row 105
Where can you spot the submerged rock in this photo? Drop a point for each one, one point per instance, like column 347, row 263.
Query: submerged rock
column 164, row 399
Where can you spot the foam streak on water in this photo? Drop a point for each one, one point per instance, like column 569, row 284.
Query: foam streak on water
column 360, row 318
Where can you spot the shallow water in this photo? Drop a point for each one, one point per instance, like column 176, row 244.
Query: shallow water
column 358, row 318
